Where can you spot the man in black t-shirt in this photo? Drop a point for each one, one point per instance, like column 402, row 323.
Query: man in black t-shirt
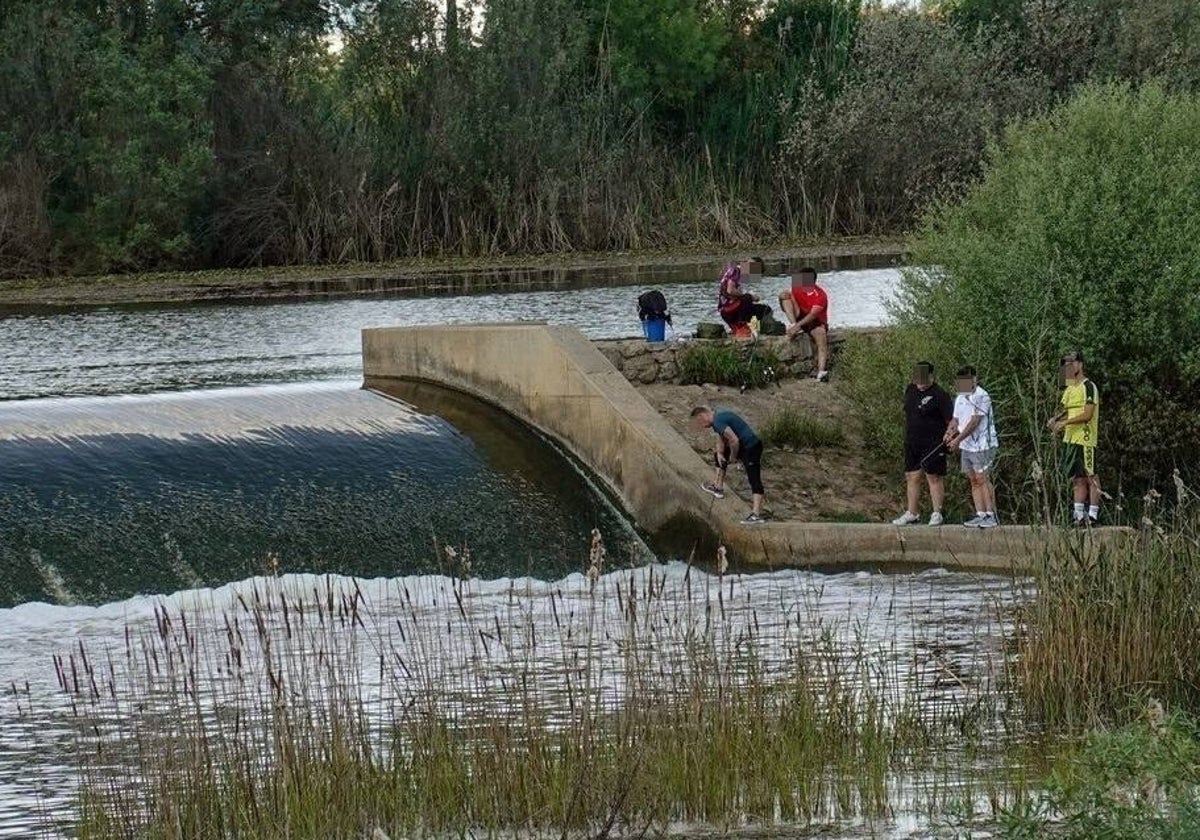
column 928, row 410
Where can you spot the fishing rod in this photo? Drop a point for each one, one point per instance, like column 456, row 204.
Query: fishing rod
column 930, row 454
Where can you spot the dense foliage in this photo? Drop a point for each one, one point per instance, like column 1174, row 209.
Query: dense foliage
column 139, row 134
column 1083, row 235
column 1140, row 781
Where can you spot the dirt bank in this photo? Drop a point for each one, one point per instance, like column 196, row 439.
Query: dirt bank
column 415, row 276
column 827, row 484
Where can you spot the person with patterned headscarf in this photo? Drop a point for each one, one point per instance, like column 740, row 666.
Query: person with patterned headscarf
column 736, row 305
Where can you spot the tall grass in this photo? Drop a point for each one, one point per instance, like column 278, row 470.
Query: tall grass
column 789, row 427
column 728, row 364
column 622, row 702
column 1112, row 625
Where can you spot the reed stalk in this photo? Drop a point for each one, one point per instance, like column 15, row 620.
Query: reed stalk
column 608, row 703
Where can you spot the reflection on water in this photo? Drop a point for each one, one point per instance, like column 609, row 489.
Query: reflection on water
column 101, row 499
column 122, row 351
column 937, row 634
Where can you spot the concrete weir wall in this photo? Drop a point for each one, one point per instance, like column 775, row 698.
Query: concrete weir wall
column 556, row 380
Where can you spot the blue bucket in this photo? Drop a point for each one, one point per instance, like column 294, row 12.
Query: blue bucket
column 655, row 329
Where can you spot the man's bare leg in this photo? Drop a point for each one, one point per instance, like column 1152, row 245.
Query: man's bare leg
column 937, row 491
column 820, row 340
column 788, row 304
column 1080, row 490
column 978, row 492
column 722, row 454
column 989, row 493
column 912, row 481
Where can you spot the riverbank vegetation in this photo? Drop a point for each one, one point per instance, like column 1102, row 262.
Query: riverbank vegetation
column 605, row 704
column 153, row 135
column 728, row 364
column 1113, row 626
column 1081, row 236
column 624, row 703
column 1141, row 780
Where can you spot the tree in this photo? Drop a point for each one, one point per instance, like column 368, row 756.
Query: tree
column 663, row 54
column 143, row 156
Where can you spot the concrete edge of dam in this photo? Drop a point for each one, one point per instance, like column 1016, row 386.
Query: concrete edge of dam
column 555, row 379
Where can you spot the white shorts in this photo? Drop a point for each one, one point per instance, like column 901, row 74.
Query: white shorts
column 979, row 462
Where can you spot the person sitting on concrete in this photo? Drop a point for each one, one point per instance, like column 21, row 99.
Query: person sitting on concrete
column 736, row 305
column 736, row 441
column 928, row 410
column 807, row 308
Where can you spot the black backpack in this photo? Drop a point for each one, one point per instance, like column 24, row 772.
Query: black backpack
column 653, row 306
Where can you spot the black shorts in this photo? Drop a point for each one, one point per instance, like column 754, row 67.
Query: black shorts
column 746, row 310
column 752, row 460
column 1080, row 461
column 915, row 450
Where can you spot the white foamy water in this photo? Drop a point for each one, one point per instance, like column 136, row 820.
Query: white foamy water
column 939, row 633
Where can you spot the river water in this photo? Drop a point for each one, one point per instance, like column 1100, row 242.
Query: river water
column 151, row 451
column 139, row 350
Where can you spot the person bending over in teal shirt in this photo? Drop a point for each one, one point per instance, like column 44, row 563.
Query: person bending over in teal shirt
column 736, row 441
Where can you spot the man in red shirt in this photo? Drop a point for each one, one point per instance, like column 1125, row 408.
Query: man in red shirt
column 807, row 308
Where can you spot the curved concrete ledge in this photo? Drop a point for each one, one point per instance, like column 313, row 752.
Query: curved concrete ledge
column 555, row 379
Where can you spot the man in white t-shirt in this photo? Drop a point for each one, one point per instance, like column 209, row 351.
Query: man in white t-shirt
column 973, row 433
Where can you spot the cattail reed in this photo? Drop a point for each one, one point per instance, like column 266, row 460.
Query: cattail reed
column 445, row 705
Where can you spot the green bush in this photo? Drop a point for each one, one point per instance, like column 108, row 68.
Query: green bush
column 728, row 364
column 143, row 158
column 1070, row 41
column 1141, row 781
column 1082, row 235
column 789, row 427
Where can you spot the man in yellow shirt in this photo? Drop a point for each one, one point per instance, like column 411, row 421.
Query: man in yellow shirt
column 1079, row 422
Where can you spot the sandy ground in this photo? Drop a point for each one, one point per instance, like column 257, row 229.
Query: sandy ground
column 362, row 279
column 838, row 484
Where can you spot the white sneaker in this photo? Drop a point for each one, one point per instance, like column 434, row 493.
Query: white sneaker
column 989, row 521
column 906, row 518
column 935, row 518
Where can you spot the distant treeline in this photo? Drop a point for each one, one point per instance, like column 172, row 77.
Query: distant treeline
column 150, row 134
